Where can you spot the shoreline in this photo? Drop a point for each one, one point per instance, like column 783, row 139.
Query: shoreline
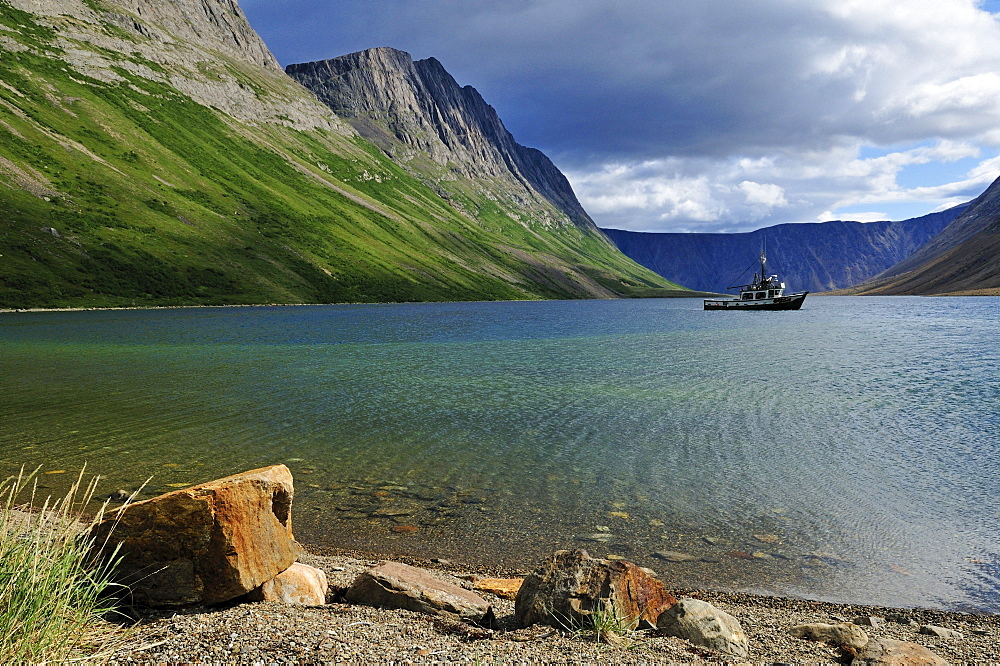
column 338, row 632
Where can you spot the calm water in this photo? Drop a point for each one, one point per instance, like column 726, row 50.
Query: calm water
column 852, row 446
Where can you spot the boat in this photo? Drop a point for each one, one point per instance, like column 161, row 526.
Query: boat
column 765, row 292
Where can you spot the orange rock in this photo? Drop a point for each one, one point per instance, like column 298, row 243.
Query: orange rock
column 405, row 529
column 570, row 585
column 502, row 587
column 205, row 544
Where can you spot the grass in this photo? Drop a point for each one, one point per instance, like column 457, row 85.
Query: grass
column 52, row 598
column 602, row 624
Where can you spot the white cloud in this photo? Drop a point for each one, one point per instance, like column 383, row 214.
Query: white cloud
column 688, row 114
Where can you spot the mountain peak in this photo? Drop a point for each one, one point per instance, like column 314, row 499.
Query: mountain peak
column 417, row 112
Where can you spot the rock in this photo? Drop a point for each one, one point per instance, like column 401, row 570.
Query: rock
column 596, row 537
column 869, row 621
column 703, row 624
column 890, row 652
column 299, row 585
column 395, row 585
column 119, row 496
column 205, row 544
column 673, row 556
column 940, row 632
column 766, row 538
column 570, row 586
column 843, row 634
column 502, row 587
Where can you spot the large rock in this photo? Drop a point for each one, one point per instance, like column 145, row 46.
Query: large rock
column 704, row 624
column 395, row 585
column 890, row 652
column 570, row 586
column 841, row 634
column 299, row 584
column 205, row 544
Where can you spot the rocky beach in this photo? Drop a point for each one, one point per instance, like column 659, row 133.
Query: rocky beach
column 215, row 576
column 338, row 632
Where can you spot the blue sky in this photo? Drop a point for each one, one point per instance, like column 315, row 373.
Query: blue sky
column 727, row 115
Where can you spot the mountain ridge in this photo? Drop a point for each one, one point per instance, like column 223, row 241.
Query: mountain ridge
column 414, row 109
column 155, row 154
column 820, row 256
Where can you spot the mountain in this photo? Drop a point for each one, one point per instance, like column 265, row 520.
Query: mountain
column 445, row 134
column 963, row 259
column 809, row 257
column 153, row 152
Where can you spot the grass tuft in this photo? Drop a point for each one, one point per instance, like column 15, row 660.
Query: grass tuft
column 53, row 599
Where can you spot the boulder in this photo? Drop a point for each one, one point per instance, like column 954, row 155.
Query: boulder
column 842, row 634
column 570, row 586
column 299, row 585
column 890, row 652
column 703, row 624
column 205, row 544
column 394, row 585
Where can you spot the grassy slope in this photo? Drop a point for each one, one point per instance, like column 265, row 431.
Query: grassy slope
column 116, row 194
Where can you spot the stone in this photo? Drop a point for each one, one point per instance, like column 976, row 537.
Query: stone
column 842, row 634
column 502, row 587
column 703, row 624
column 891, row 652
column 673, row 556
column 940, row 632
column 570, row 586
column 872, row 621
column 205, row 544
column 298, row 585
column 395, row 585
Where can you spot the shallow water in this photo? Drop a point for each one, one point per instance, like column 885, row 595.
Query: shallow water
column 857, row 438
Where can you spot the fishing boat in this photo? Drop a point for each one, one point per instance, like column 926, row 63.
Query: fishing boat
column 765, row 292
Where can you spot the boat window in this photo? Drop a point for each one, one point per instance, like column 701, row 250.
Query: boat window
column 770, row 294
column 747, row 296
column 760, row 294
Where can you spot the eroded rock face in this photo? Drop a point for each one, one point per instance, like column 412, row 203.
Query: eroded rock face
column 205, row 544
column 570, row 586
column 890, row 652
column 395, row 585
column 704, row 624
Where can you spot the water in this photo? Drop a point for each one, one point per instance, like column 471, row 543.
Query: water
column 853, row 446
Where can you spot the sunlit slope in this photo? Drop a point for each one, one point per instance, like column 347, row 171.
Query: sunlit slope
column 116, row 188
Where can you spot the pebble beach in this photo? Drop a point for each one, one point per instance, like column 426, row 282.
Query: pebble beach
column 340, row 633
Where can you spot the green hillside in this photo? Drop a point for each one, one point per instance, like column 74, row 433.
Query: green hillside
column 128, row 192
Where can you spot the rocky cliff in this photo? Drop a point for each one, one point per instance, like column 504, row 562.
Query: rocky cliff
column 813, row 257
column 446, row 134
column 202, row 48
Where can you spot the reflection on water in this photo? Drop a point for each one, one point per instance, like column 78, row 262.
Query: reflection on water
column 847, row 451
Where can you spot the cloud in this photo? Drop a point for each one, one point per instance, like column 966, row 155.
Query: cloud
column 704, row 115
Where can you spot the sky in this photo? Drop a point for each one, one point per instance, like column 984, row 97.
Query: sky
column 709, row 115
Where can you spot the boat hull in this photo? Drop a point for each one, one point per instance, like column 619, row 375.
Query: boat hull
column 790, row 302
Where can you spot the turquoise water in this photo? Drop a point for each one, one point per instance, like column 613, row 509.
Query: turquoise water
column 853, row 446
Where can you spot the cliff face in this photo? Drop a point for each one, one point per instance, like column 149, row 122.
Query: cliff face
column 963, row 258
column 810, row 257
column 446, row 134
column 202, row 48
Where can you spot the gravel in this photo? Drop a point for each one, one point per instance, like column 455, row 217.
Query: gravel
column 271, row 633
